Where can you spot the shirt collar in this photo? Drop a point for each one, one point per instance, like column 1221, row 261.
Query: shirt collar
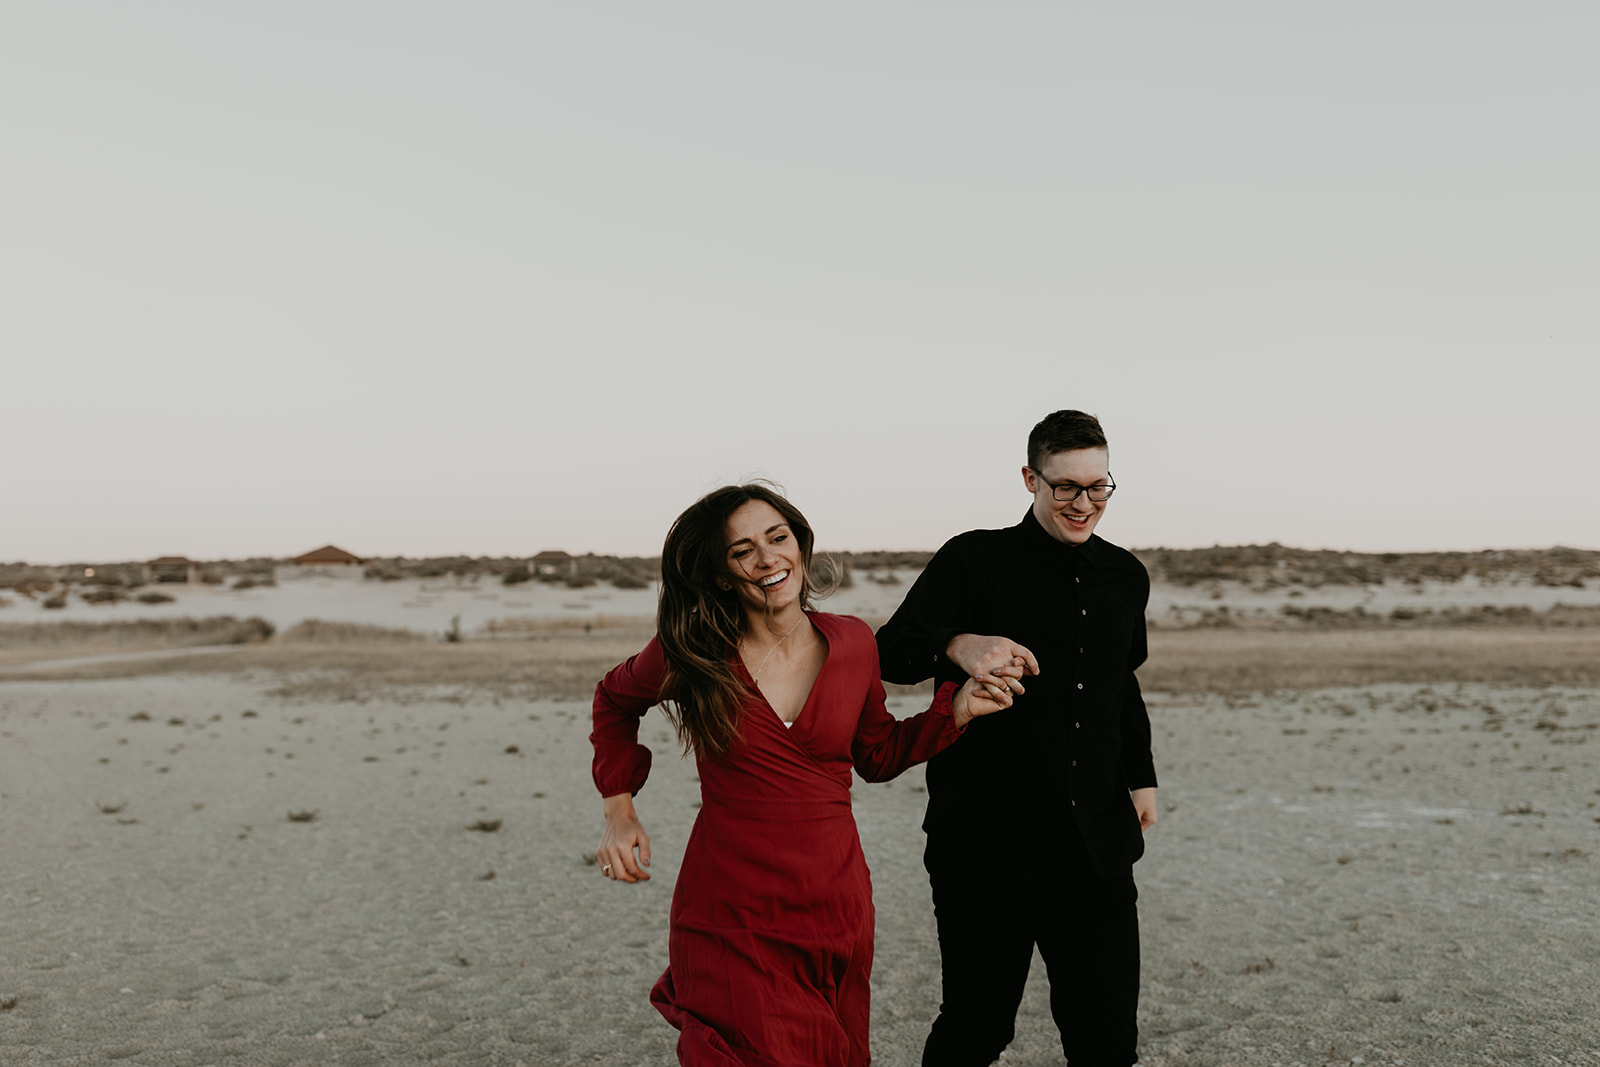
column 1091, row 552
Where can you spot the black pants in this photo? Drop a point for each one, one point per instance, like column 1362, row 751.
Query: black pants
column 993, row 903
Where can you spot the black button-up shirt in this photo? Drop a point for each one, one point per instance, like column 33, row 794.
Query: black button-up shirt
column 1079, row 739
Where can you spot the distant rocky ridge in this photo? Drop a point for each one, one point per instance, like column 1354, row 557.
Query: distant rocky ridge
column 1259, row 567
column 1274, row 566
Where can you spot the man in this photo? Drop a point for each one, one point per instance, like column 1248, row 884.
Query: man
column 1036, row 817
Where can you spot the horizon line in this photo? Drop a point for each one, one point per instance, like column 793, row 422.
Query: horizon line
column 103, row 562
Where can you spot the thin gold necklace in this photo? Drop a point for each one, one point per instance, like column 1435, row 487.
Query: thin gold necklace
column 757, row 675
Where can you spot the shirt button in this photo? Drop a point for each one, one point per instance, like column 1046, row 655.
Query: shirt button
column 1074, row 763
column 1076, row 725
column 1086, row 611
column 1074, row 803
column 1080, row 651
column 1080, row 685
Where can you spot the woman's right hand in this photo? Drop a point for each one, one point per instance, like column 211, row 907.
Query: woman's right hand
column 624, row 833
column 976, row 698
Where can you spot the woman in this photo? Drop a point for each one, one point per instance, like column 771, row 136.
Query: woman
column 770, row 949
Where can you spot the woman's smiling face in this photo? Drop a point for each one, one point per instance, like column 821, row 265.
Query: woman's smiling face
column 764, row 558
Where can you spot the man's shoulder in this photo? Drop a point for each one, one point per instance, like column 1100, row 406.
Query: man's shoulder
column 1115, row 557
column 979, row 541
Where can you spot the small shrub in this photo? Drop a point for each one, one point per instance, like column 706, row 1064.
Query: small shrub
column 318, row 632
column 101, row 596
column 57, row 601
column 516, row 575
column 628, row 581
column 155, row 598
column 246, row 631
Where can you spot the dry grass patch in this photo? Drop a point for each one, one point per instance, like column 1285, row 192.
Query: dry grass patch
column 560, row 666
column 520, row 628
column 33, row 642
column 1240, row 661
column 318, row 632
column 565, row 663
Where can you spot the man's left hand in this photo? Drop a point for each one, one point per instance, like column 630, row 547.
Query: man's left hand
column 1144, row 802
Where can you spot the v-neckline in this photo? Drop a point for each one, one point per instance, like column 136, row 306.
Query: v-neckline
column 805, row 705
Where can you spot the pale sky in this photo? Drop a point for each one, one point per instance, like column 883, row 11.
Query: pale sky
column 487, row 278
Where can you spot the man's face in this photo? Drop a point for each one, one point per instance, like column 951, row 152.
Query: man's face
column 1069, row 521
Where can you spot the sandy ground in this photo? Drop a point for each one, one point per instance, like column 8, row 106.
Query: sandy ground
column 1394, row 873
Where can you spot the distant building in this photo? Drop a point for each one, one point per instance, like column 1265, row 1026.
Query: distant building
column 172, row 569
column 553, row 562
column 329, row 561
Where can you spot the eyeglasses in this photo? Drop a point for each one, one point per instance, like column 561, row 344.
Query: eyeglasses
column 1068, row 493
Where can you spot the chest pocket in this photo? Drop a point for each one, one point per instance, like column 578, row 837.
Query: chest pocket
column 1115, row 615
column 1041, row 609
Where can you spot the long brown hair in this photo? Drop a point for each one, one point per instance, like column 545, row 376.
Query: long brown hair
column 700, row 618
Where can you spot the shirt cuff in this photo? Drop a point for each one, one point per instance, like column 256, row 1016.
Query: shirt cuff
column 1140, row 774
column 944, row 704
column 941, row 641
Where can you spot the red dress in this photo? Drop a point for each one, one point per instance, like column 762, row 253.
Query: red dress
column 770, row 949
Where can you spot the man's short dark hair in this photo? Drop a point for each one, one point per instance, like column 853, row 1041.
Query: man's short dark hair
column 1063, row 431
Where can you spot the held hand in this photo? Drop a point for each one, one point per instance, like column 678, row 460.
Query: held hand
column 974, row 698
column 999, row 662
column 624, row 833
column 1144, row 802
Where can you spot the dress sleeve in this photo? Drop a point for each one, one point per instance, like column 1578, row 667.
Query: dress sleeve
column 884, row 746
column 621, row 763
column 911, row 644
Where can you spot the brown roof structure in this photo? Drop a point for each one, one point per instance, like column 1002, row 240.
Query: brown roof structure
column 328, row 554
column 171, row 561
column 552, row 555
